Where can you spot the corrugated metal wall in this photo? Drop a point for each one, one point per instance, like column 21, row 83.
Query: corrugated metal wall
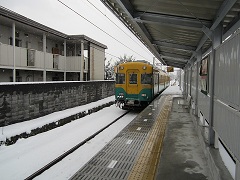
column 227, row 94
column 227, row 78
column 227, row 125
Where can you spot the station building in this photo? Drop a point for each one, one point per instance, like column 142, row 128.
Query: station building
column 40, row 53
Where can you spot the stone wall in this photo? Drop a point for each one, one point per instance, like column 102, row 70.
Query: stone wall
column 23, row 101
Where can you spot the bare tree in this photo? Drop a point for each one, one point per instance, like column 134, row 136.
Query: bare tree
column 124, row 59
column 109, row 67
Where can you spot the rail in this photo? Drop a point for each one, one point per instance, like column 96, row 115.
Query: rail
column 58, row 159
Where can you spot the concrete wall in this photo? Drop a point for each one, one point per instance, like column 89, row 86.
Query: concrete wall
column 25, row 101
column 97, row 56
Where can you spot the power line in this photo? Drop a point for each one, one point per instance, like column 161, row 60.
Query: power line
column 97, row 27
column 115, row 24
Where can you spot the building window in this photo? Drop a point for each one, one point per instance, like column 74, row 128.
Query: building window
column 18, row 42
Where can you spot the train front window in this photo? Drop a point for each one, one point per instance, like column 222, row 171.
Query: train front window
column 146, row 78
column 132, row 78
column 120, row 78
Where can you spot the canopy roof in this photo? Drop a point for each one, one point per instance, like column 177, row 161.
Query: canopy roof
column 174, row 30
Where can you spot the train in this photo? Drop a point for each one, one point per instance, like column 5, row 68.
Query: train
column 137, row 83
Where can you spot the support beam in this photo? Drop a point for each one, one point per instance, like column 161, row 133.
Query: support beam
column 45, row 57
column 168, row 58
column 65, row 59
column 199, row 58
column 172, row 55
column 190, row 81
column 217, row 40
column 175, row 21
column 207, row 32
column 75, row 49
column 14, row 54
column 187, row 76
column 127, row 7
column 82, row 61
column 232, row 28
column 175, row 45
column 222, row 11
column 237, row 176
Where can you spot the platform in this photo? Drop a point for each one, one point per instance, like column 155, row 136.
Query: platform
column 182, row 156
column 135, row 153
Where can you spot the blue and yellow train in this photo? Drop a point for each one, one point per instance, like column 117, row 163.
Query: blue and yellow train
column 137, row 83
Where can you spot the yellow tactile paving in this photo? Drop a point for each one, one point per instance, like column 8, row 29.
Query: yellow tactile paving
column 146, row 164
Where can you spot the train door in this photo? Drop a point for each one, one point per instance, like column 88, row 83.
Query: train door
column 132, row 81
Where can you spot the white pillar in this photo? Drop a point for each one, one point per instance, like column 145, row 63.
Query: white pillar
column 82, row 61
column 45, row 57
column 14, row 55
column 65, row 59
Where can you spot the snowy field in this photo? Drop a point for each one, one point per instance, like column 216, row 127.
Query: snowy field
column 20, row 160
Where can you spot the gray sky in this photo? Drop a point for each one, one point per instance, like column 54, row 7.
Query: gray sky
column 55, row 15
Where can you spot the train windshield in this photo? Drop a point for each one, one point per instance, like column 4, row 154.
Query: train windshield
column 120, row 78
column 132, row 78
column 146, row 78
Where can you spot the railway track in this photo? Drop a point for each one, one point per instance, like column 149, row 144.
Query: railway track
column 59, row 158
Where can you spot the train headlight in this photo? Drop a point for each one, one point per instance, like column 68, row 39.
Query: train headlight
column 121, row 95
column 144, row 67
column 144, row 95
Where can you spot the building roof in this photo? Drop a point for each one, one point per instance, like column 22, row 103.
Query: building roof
column 7, row 17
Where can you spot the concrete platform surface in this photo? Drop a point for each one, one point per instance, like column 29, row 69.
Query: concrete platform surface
column 182, row 157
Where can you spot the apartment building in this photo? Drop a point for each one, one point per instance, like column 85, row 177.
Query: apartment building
column 40, row 53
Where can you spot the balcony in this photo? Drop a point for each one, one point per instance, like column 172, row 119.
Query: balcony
column 33, row 59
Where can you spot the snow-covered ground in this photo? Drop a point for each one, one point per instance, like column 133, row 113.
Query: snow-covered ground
column 27, row 126
column 20, row 160
column 173, row 89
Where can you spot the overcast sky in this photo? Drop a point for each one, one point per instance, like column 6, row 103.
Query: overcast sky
column 54, row 14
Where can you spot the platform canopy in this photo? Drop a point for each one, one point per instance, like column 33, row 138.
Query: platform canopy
column 175, row 30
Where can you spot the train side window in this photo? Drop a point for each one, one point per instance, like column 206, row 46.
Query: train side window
column 133, row 78
column 146, row 78
column 120, row 78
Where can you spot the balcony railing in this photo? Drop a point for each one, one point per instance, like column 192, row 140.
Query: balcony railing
column 31, row 58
